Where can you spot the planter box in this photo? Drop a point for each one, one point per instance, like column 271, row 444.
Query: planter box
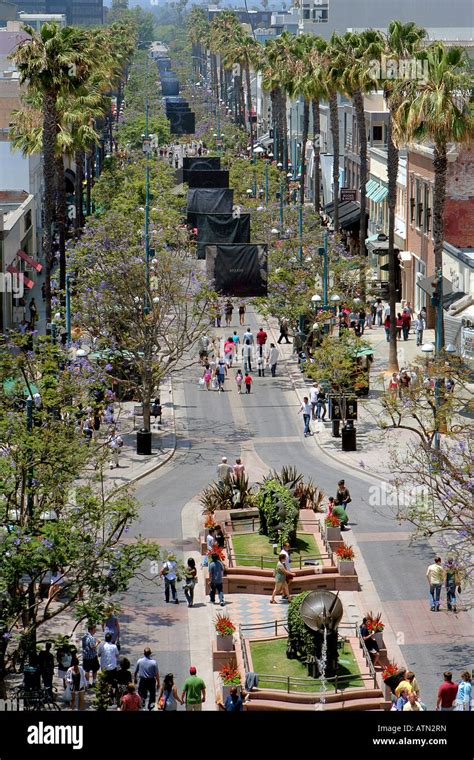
column 224, row 643
column 346, row 567
column 333, row 534
column 379, row 639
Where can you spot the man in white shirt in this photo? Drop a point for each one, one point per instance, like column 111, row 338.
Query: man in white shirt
column 313, row 397
column 285, row 551
column 272, row 357
column 109, row 655
column 211, row 540
column 248, row 335
column 168, row 571
column 306, row 409
column 224, row 470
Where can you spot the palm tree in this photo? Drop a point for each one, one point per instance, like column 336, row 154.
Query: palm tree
column 438, row 109
column 52, row 61
column 274, row 67
column 332, row 73
column 244, row 50
column 401, row 41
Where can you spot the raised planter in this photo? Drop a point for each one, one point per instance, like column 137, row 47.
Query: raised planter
column 333, row 534
column 224, row 643
column 346, row 567
column 378, row 637
column 226, row 691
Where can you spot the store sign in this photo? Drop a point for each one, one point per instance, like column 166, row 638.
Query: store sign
column 347, row 194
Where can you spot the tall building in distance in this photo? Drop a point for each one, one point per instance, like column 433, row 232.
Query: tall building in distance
column 77, row 12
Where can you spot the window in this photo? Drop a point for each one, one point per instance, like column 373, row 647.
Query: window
column 427, row 214
column 412, row 200
column 320, row 15
column 419, row 205
column 377, row 133
column 27, row 220
column 306, row 13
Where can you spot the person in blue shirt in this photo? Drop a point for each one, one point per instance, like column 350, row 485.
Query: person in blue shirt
column 234, row 702
column 216, row 574
column 402, row 699
column 464, row 695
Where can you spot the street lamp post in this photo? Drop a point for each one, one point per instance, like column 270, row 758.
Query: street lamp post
column 68, row 307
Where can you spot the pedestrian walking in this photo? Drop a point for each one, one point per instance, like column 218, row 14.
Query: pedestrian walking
column 284, row 328
column 464, row 693
column 211, row 540
column 168, row 697
column 239, row 468
column 228, row 309
column 248, row 382
column 229, row 346
column 168, row 572
column 239, row 379
column 194, row 692
column 190, row 580
column 216, row 575
column 261, row 340
column 412, row 704
column 435, row 575
column 248, row 336
column 109, row 659
column 409, row 683
column 64, row 660
column 156, row 410
column 123, row 678
column 321, row 405
column 224, row 470
column 46, row 666
column 33, row 313
column 148, row 677
column 111, row 625
column 379, row 311
column 343, row 496
column 447, row 693
column 236, row 340
column 282, row 577
column 114, row 444
column 361, row 317
column 272, row 357
column 386, row 325
column 393, row 384
column 207, row 377
column 43, row 291
column 221, row 372
column 406, row 323
column 399, row 326
column 77, row 682
column 313, row 399
column 130, row 702
column 260, row 366
column 452, row 580
column 402, row 700
column 247, row 356
column 242, row 313
column 420, row 325
column 90, row 660
column 305, row 408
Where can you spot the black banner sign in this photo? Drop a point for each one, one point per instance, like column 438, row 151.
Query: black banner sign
column 221, row 228
column 212, row 178
column 238, row 270
column 209, row 201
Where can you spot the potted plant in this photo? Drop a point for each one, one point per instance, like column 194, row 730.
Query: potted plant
column 375, row 626
column 216, row 550
column 391, row 679
column 209, row 522
column 345, row 560
column 230, row 676
column 225, row 630
column 333, row 528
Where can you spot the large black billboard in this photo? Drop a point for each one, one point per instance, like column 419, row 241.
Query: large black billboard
column 221, row 228
column 238, row 270
column 170, row 87
column 200, row 163
column 212, row 178
column 182, row 123
column 209, row 201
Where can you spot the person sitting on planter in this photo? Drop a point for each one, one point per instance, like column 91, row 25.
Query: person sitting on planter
column 370, row 643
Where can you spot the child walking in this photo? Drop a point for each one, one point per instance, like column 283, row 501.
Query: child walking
column 248, row 383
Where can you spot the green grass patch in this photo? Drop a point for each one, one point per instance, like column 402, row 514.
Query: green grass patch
column 269, row 658
column 259, row 546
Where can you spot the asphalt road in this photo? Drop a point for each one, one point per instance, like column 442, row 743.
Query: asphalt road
column 208, row 428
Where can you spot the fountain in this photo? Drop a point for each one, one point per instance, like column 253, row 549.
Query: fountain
column 313, row 619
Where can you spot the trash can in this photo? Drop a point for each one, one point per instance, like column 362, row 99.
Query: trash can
column 31, row 678
column 144, row 441
column 349, row 437
column 335, row 428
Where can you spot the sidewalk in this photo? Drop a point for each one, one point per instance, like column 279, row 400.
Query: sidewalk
column 372, row 442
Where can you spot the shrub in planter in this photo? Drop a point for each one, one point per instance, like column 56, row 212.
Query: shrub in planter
column 229, row 675
column 278, row 512
column 374, row 622
column 332, row 521
column 224, row 629
column 216, row 550
column 300, row 637
column 345, row 553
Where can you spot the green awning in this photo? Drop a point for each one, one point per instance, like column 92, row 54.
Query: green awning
column 380, row 194
column 372, row 238
column 370, row 187
column 363, row 352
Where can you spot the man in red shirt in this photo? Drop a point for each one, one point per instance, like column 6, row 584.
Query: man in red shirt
column 261, row 340
column 447, row 692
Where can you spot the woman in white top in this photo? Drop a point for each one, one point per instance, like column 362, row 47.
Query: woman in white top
column 76, row 679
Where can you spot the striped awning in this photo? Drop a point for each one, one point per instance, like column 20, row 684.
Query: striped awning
column 380, row 194
column 370, row 186
column 375, row 191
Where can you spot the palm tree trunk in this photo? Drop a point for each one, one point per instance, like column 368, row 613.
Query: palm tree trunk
column 440, row 165
column 249, row 106
column 89, row 170
column 304, row 140
column 49, row 144
column 242, row 102
column 78, row 216
column 362, row 130
column 392, row 171
column 61, row 217
column 317, row 154
column 284, row 129
column 276, row 126
column 334, row 119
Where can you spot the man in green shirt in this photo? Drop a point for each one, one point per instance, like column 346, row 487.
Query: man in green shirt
column 194, row 691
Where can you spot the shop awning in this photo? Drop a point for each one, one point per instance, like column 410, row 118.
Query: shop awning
column 405, row 256
column 380, row 194
column 30, row 261
column 349, row 213
column 380, row 247
column 426, row 284
column 371, row 238
column 26, row 280
column 370, row 186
